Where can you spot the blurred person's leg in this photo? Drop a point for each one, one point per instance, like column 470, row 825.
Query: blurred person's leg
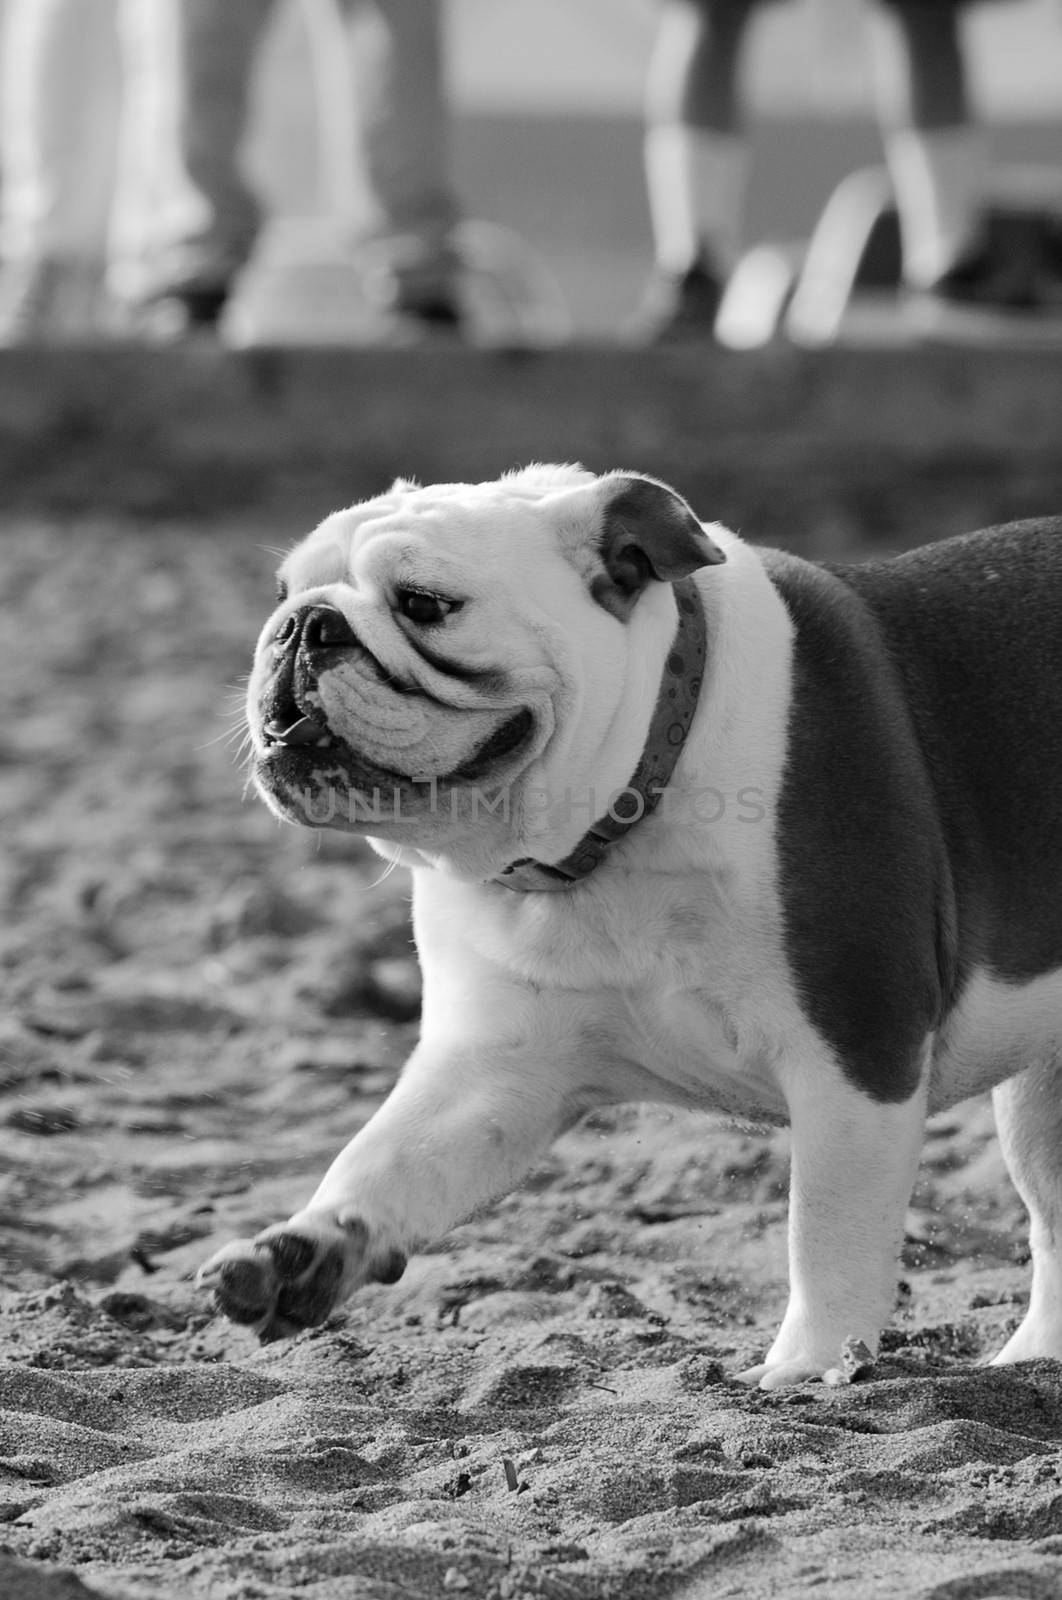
column 191, row 64
column 404, row 132
column 936, row 154
column 59, row 98
column 695, row 159
column 155, row 202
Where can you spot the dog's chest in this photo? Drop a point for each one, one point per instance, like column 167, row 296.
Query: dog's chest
column 687, row 987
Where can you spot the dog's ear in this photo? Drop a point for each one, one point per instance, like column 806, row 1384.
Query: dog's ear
column 648, row 533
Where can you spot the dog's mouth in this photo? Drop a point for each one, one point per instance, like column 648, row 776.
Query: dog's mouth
column 292, row 718
column 505, row 741
column 299, row 739
column 301, row 730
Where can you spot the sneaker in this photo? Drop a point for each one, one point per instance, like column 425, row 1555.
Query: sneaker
column 52, row 300
column 680, row 305
column 481, row 283
column 416, row 281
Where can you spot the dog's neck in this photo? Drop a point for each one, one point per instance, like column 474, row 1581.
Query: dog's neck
column 672, row 717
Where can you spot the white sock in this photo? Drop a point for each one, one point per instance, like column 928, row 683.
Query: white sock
column 939, row 176
column 696, row 179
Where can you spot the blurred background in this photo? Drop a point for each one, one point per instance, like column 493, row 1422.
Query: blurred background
column 548, row 95
column 546, row 105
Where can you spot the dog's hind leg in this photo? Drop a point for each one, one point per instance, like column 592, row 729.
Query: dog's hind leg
column 1028, row 1111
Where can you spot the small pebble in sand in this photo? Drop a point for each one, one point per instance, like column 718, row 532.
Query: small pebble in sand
column 857, row 1363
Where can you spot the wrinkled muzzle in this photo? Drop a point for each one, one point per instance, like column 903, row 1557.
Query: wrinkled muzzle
column 328, row 716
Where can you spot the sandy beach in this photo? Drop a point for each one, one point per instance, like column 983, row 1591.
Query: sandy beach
column 199, row 1007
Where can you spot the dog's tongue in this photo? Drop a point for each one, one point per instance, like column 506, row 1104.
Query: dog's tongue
column 303, row 731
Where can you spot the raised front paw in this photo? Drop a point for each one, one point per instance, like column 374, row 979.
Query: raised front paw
column 290, row 1276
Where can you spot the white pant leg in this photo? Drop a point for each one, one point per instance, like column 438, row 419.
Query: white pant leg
column 403, row 120
column 59, row 105
column 186, row 213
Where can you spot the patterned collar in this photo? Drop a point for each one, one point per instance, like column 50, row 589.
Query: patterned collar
column 672, row 717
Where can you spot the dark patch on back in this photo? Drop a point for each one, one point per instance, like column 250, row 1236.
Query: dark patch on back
column 864, row 882
column 974, row 628
column 921, row 808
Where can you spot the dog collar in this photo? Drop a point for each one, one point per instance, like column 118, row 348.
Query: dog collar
column 672, row 717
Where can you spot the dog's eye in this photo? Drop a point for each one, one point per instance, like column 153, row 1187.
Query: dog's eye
column 282, row 591
column 423, row 608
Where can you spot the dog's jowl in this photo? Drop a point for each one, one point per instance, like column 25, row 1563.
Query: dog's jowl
column 688, row 821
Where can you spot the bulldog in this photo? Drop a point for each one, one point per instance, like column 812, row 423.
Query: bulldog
column 688, row 821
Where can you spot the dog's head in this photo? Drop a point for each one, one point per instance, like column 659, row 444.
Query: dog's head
column 443, row 660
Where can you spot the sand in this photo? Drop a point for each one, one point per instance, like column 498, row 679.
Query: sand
column 199, row 1007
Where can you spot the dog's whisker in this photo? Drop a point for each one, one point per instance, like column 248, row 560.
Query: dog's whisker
column 391, row 867
column 235, row 734
column 271, row 550
column 236, row 731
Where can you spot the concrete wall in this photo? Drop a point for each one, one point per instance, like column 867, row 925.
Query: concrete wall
column 823, row 452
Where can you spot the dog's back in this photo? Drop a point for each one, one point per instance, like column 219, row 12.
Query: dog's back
column 974, row 628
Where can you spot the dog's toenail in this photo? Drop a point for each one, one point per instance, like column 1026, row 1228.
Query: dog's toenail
column 292, row 1253
column 390, row 1267
column 308, row 1305
column 243, row 1290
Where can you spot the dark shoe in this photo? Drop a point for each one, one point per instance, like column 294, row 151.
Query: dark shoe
column 203, row 304
column 415, row 281
column 1049, row 276
column 437, row 308
column 983, row 279
column 680, row 305
column 1015, row 266
column 182, row 311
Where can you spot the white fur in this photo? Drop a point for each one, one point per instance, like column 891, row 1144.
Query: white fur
column 995, row 1030
column 1008, row 1037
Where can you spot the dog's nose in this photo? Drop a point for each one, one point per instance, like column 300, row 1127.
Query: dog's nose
column 325, row 628
column 316, row 628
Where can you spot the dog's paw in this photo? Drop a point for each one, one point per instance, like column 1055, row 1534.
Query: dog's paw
column 291, row 1276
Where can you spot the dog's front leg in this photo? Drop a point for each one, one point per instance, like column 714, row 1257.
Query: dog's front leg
column 463, row 1124
column 853, row 1167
